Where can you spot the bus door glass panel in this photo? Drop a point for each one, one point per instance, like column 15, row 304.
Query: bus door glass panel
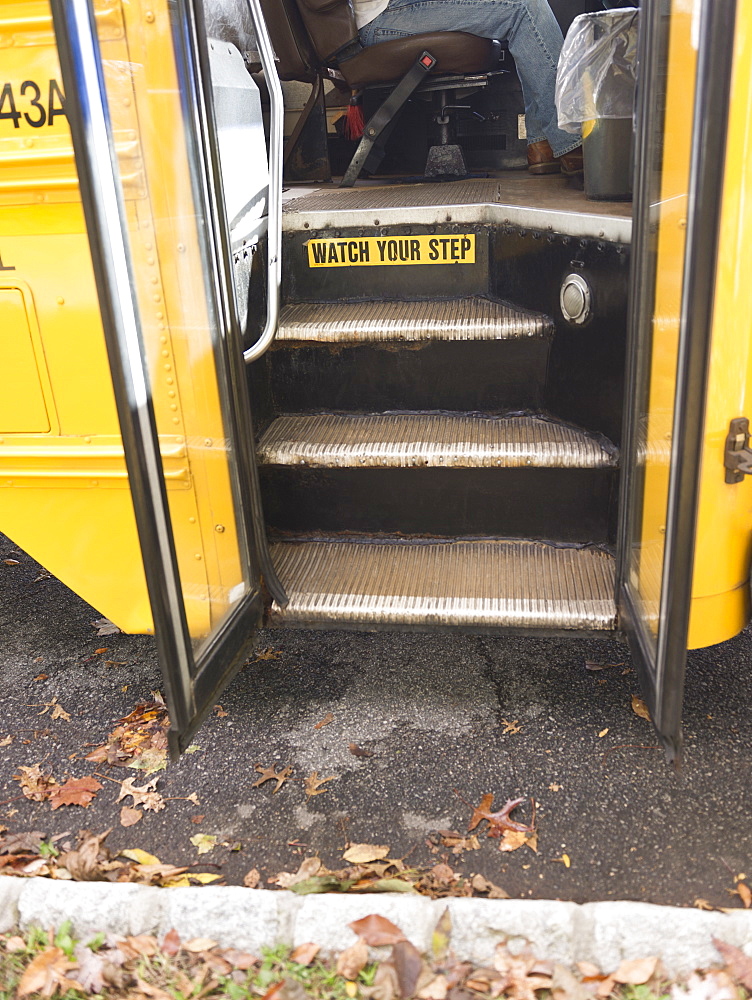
column 192, row 367
column 658, row 265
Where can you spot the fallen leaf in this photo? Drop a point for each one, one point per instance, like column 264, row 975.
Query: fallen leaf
column 150, row 760
column 566, row 986
column 144, row 796
column 481, row 884
column 199, row 944
column 40, row 677
column 242, row 960
column 499, row 821
column 204, row 842
column 129, row 817
column 376, row 930
column 269, row 774
column 353, row 960
column 745, row 894
column 636, row 971
column 252, row 878
column 640, row 708
column 361, row 854
column 14, row 944
column 11, row 562
column 605, row 987
column 737, row 963
column 35, row 784
column 553, row 787
column 308, row 868
column 440, row 938
column 75, row 792
column 511, row 840
column 105, row 627
column 510, row 727
column 602, row 733
column 408, row 965
column 142, row 944
column 593, row 665
column 386, row 985
column 304, row 954
column 325, row 721
column 313, row 783
column 198, row 819
column 357, row 751
column 564, row 859
column 703, row 904
column 268, row 654
column 171, row 943
column 221, row 714
column 140, row 857
column 46, row 974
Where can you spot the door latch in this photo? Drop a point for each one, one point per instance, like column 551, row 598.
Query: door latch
column 737, row 456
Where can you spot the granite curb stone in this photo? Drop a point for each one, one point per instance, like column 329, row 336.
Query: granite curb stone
column 604, row 933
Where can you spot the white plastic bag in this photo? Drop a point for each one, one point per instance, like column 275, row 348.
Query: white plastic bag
column 596, row 74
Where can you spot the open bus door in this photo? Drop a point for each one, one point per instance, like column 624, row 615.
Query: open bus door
column 158, row 217
column 680, row 155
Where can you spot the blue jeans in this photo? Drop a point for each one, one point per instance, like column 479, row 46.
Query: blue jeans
column 534, row 42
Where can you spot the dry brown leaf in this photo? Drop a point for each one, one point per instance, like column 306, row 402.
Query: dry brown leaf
column 269, row 774
column 640, row 708
column 144, row 796
column 603, row 733
column 325, row 721
column 242, row 960
column 361, row 854
column 304, row 954
column 385, row 983
column 703, row 904
column 152, row 992
column 435, row 989
column 35, row 785
column 75, row 792
column 11, row 562
column 313, row 784
column 499, row 821
column 308, row 868
column 636, row 971
column 408, row 965
column 737, row 963
column 376, row 930
column 220, row 712
column 14, row 944
column 512, row 840
column 481, row 884
column 46, row 974
column 171, row 943
column 196, row 945
column 353, row 960
column 744, row 893
column 510, row 727
column 129, row 817
column 589, row 971
column 605, row 987
column 566, row 986
column 553, row 787
column 268, row 654
column 357, row 751
column 252, row 878
column 58, row 712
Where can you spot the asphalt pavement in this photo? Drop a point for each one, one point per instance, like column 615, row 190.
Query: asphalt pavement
column 446, row 718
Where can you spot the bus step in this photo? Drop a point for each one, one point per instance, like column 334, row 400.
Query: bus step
column 446, row 440
column 473, row 318
column 492, row 584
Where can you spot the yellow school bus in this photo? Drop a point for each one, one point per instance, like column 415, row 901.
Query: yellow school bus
column 483, row 404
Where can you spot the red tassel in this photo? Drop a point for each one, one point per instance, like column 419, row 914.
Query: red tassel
column 355, row 123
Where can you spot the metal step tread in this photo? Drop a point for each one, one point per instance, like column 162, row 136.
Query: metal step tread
column 505, row 584
column 446, row 440
column 471, row 318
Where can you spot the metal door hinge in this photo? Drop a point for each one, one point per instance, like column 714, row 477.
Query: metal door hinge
column 737, row 455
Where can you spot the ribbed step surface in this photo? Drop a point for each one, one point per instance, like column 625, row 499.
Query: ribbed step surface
column 432, row 440
column 449, row 319
column 493, row 583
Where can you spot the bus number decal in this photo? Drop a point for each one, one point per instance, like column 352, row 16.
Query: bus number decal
column 373, row 251
column 38, row 107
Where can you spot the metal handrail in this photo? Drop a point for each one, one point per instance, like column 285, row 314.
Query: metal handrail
column 274, row 204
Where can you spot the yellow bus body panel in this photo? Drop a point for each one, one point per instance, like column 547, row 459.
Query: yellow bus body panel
column 64, row 491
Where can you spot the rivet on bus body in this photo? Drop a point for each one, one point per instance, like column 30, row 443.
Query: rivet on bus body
column 181, row 247
column 149, row 16
column 150, row 261
column 198, row 555
column 163, row 340
column 219, row 527
column 208, row 442
column 375, row 222
column 28, row 143
column 95, row 482
column 60, row 300
column 126, row 102
column 157, row 298
column 154, row 280
column 147, row 246
column 682, row 223
column 161, row 327
column 449, row 218
column 159, row 315
column 662, row 529
column 176, row 420
column 168, row 368
column 191, row 520
column 173, row 406
column 170, row 381
column 87, row 440
column 171, row 393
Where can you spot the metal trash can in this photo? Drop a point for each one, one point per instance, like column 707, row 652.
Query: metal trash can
column 595, row 88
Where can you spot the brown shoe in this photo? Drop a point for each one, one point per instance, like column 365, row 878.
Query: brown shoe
column 571, row 163
column 540, row 158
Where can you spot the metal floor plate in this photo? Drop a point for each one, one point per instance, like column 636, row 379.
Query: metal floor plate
column 441, row 319
column 433, row 440
column 503, row 584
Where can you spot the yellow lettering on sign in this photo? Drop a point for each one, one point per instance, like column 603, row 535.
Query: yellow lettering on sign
column 376, row 251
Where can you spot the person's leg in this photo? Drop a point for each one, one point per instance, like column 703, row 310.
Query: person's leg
column 529, row 26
